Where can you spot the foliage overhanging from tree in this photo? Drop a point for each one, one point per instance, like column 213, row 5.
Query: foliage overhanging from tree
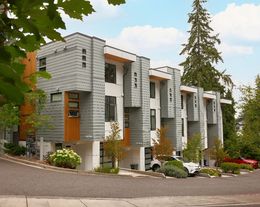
column 202, row 54
column 24, row 26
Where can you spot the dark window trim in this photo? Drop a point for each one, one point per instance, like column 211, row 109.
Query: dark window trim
column 51, row 96
column 110, row 73
column 182, row 127
column 182, row 102
column 110, row 104
column 153, row 119
column 152, row 89
column 42, row 67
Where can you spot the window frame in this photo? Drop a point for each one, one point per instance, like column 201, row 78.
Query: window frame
column 110, row 105
column 152, row 92
column 42, row 67
column 110, row 68
column 53, row 94
column 152, row 119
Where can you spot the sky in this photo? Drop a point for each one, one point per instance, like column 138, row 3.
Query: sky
column 157, row 30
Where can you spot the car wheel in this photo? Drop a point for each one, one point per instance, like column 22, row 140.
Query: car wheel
column 155, row 168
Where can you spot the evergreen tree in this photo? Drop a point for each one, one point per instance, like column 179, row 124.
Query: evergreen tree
column 201, row 53
column 250, row 140
column 202, row 56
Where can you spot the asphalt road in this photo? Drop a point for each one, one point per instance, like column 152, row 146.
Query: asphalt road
column 16, row 179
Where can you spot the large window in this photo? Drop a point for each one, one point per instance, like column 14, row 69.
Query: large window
column 110, row 109
column 42, row 64
column 152, row 90
column 110, row 73
column 153, row 119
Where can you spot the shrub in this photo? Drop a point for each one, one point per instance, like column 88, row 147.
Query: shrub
column 66, row 158
column 211, row 171
column 14, row 149
column 176, row 163
column 173, row 171
column 107, row 170
column 230, row 167
column 246, row 167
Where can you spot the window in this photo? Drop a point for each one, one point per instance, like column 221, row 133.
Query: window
column 84, row 51
column 42, row 64
column 73, row 104
column 181, row 101
column 84, row 65
column 153, row 119
column 110, row 108
column 110, row 73
column 182, row 127
column 170, row 94
column 152, row 90
column 56, row 97
column 195, row 101
column 126, row 117
column 84, row 58
column 73, row 96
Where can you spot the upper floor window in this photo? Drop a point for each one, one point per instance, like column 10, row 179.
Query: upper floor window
column 56, row 97
column 181, row 101
column 153, row 119
column 152, row 90
column 110, row 108
column 110, row 73
column 182, row 127
column 42, row 64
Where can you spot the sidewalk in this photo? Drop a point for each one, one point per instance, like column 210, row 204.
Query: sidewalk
column 178, row 201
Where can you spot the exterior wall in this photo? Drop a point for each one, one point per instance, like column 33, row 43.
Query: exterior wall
column 139, row 117
column 185, row 122
column 155, row 104
column 215, row 131
column 167, row 99
column 116, row 90
column 198, row 127
column 64, row 63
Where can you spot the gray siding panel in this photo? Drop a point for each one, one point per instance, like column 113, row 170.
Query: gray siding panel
column 192, row 107
column 167, row 98
column 211, row 112
column 140, row 117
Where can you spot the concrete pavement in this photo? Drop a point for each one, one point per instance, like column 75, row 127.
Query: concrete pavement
column 175, row 201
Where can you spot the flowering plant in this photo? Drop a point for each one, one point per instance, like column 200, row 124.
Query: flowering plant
column 66, row 158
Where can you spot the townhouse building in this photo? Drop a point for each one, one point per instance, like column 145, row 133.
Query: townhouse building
column 93, row 84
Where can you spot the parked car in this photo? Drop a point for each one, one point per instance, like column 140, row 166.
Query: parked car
column 190, row 167
column 241, row 160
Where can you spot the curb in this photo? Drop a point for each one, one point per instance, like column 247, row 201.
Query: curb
column 153, row 174
column 75, row 171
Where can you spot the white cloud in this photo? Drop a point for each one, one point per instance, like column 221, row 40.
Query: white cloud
column 229, row 49
column 143, row 39
column 239, row 21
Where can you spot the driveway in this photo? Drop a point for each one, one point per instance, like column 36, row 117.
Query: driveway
column 16, row 179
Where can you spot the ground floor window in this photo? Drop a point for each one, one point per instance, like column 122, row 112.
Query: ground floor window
column 153, row 119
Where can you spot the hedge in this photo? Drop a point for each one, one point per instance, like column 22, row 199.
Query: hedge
column 230, row 167
column 173, row 171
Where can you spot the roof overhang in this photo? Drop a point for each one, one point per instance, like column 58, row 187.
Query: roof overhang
column 159, row 75
column 225, row 101
column 209, row 96
column 188, row 89
column 118, row 55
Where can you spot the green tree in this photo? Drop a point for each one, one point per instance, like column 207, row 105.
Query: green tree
column 24, row 26
column 201, row 58
column 36, row 120
column 9, row 117
column 162, row 148
column 113, row 146
column 250, row 106
column 217, row 152
column 192, row 151
column 202, row 54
